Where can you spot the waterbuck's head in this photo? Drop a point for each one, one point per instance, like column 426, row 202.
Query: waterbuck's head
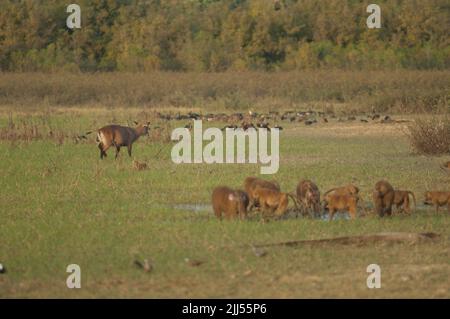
column 143, row 128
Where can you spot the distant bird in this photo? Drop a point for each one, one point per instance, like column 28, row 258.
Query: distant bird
column 2, row 269
column 387, row 119
column 364, row 120
column 245, row 126
column 193, row 263
column 263, row 125
column 194, row 116
column 188, row 126
column 231, row 127
column 278, row 127
column 146, row 266
column 165, row 117
column 310, row 122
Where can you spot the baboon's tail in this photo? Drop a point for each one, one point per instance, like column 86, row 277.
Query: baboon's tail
column 294, row 199
column 329, row 191
column 414, row 199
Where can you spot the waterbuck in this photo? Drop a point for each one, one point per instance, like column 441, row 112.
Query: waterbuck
column 118, row 136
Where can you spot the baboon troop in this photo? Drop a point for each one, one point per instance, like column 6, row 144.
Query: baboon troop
column 266, row 197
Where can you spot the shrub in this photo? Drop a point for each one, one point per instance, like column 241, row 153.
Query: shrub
column 431, row 136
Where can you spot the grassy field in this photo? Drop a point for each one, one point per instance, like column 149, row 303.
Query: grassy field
column 61, row 205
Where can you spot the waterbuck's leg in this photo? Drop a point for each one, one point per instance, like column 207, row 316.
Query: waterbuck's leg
column 102, row 153
column 117, row 151
column 129, row 150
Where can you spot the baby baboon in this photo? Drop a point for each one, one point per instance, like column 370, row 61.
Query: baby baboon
column 139, row 166
column 309, row 195
column 437, row 199
column 272, row 201
column 401, row 198
column 250, row 185
column 383, row 198
column 231, row 203
column 340, row 203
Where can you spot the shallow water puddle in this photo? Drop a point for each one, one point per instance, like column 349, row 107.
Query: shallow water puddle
column 196, row 208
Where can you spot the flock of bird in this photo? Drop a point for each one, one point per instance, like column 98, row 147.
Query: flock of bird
column 263, row 120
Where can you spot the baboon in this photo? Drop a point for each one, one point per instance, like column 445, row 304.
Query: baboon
column 272, row 201
column 401, row 198
column 340, row 203
column 349, row 189
column 437, row 199
column 231, row 203
column 118, row 136
column 139, row 166
column 383, row 198
column 250, row 185
column 309, row 195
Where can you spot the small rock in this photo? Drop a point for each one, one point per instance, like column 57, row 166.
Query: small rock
column 259, row 252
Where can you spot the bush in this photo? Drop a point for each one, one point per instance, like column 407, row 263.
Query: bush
column 431, row 136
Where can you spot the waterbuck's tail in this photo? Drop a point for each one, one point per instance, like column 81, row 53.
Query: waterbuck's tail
column 83, row 136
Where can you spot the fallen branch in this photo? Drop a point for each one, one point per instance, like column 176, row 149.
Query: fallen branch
column 396, row 237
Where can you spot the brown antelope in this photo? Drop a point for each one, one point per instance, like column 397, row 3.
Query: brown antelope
column 118, row 136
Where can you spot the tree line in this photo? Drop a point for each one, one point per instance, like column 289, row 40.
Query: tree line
column 220, row 35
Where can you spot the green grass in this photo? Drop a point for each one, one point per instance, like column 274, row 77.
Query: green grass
column 60, row 205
